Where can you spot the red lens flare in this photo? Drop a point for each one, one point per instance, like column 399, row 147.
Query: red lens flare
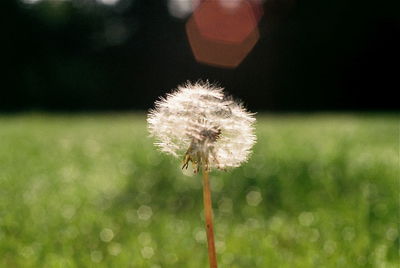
column 218, row 21
column 219, row 53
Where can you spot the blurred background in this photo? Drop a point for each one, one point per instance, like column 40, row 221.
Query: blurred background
column 121, row 54
column 82, row 185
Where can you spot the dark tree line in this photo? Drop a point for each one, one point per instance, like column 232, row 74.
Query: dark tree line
column 80, row 55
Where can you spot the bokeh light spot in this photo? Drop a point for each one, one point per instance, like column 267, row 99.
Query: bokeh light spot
column 314, row 236
column 225, row 205
column 106, row 235
column 220, row 246
column 68, row 212
column 200, row 236
column 144, row 238
column 253, row 198
column 330, row 247
column 147, row 252
column 306, row 218
column 349, row 233
column 27, row 252
column 96, row 256
column 144, row 213
column 391, row 234
column 114, row 249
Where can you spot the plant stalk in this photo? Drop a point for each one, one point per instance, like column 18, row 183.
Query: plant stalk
column 212, row 257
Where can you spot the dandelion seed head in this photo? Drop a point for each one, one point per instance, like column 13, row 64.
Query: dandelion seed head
column 202, row 125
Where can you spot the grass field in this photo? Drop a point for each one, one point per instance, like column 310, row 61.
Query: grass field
column 92, row 191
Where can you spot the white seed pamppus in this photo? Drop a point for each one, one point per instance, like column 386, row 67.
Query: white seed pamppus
column 197, row 121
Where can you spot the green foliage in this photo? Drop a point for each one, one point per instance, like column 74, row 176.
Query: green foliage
column 92, row 191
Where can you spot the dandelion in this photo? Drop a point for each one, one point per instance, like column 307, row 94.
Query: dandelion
column 207, row 129
column 200, row 123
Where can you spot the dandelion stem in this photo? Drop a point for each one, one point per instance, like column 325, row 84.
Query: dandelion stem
column 208, row 218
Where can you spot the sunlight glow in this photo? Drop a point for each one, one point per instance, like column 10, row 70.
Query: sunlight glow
column 30, row 2
column 182, row 8
column 108, row 2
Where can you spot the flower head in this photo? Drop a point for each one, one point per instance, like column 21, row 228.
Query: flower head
column 199, row 123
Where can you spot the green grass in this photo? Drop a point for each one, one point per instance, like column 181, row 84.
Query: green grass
column 92, row 191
